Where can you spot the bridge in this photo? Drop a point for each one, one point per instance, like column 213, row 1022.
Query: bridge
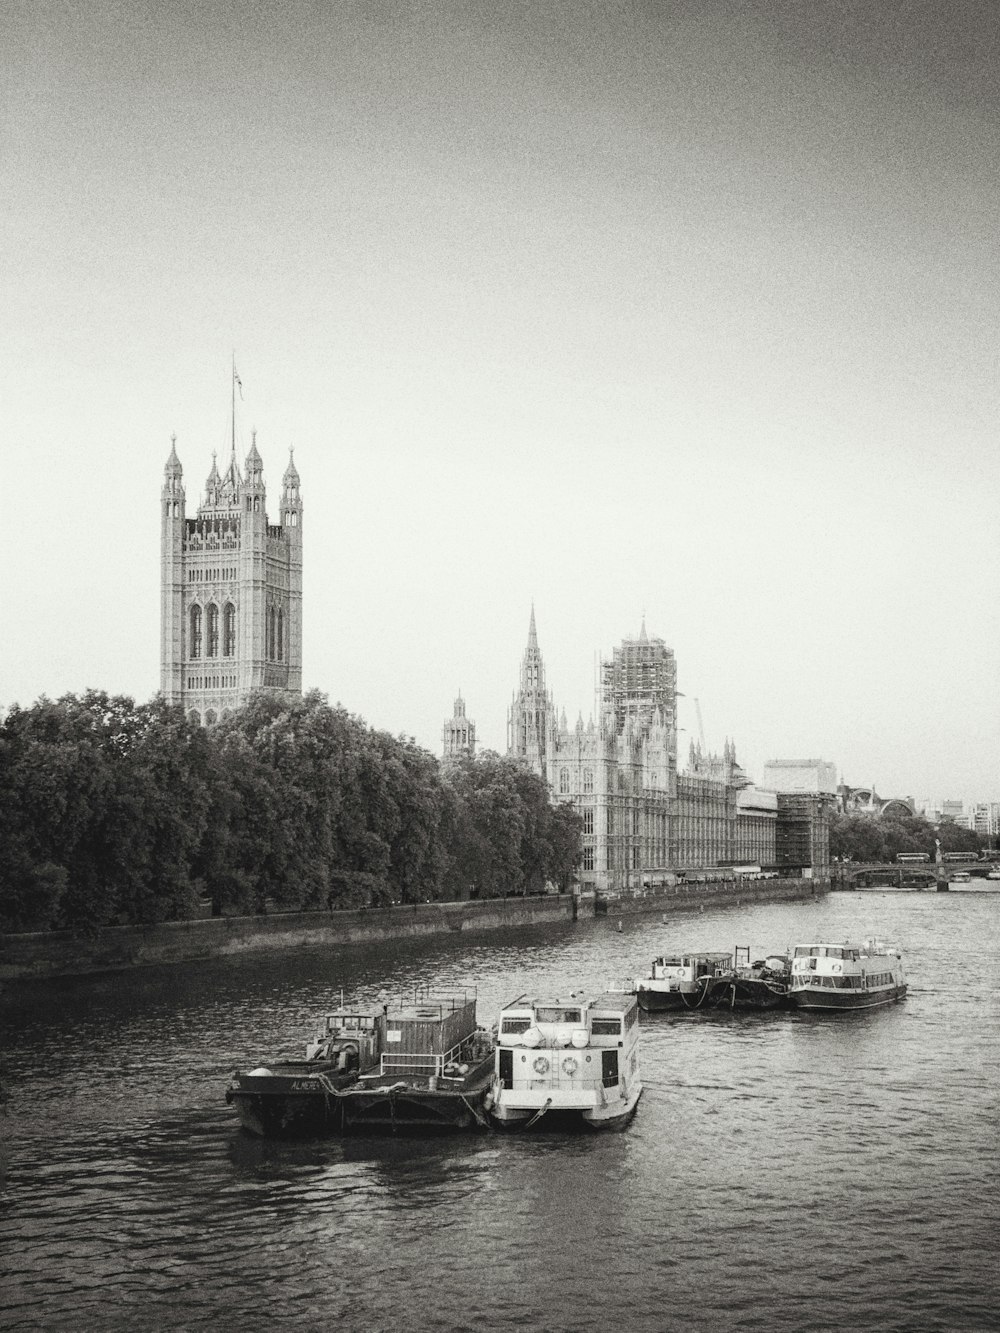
column 895, row 873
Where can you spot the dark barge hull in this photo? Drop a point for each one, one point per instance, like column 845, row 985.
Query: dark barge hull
column 839, row 1001
column 752, row 993
column 298, row 1104
column 413, row 1108
column 661, row 1001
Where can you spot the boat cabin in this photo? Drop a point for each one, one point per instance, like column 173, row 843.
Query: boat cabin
column 691, row 966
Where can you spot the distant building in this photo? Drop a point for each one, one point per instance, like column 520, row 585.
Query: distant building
column 231, row 590
column 984, row 818
column 867, row 801
column 800, row 775
column 458, row 736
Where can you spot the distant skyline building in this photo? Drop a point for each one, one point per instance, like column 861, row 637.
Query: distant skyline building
column 800, row 775
column 458, row 736
column 231, row 589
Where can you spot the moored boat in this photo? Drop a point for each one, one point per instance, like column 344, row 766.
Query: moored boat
column 684, row 981
column 846, row 976
column 578, row 1056
column 286, row 1098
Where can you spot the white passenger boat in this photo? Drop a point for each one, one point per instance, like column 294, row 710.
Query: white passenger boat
column 846, row 976
column 578, row 1056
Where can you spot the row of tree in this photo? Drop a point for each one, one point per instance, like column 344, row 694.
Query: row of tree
column 868, row 838
column 116, row 812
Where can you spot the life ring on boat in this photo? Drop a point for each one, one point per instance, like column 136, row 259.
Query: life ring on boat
column 570, row 1066
column 541, row 1065
column 837, row 967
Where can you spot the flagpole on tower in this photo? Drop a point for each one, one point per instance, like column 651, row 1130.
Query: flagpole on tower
column 236, row 380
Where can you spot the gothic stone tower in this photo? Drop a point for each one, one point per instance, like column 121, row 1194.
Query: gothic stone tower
column 530, row 722
column 458, row 735
column 231, row 590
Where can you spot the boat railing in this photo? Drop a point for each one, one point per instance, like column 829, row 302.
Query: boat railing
column 409, row 1062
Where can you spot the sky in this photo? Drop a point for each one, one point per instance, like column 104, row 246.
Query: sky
column 677, row 312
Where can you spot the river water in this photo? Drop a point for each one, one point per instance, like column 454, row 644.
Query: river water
column 784, row 1171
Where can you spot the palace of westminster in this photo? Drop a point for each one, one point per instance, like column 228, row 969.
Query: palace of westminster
column 231, row 627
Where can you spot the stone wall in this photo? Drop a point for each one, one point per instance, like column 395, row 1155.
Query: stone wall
column 710, row 893
column 62, row 953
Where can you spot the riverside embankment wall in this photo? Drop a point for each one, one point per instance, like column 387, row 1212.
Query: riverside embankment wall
column 63, row 953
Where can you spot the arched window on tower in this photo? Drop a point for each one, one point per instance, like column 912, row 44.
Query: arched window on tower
column 588, row 779
column 212, row 631
column 280, row 636
column 196, row 631
column 195, row 717
column 210, row 718
column 229, row 630
column 269, row 650
column 564, row 782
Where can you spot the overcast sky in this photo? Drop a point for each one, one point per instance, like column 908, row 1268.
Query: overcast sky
column 684, row 310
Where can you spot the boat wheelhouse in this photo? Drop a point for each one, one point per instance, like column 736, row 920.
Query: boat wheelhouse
column 684, row 981
column 846, row 976
column 577, row 1056
column 286, row 1098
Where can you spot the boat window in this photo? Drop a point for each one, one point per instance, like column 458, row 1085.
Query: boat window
column 515, row 1025
column 553, row 1015
column 605, row 1027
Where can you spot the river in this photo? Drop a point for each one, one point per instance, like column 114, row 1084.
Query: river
column 784, row 1171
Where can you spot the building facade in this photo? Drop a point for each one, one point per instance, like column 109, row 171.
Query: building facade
column 642, row 820
column 231, row 590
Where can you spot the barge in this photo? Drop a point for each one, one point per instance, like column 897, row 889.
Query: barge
column 419, row 1064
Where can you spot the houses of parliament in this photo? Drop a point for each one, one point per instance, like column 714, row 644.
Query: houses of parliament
column 231, row 627
column 642, row 817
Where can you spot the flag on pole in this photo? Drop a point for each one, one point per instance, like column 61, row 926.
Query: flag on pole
column 236, row 379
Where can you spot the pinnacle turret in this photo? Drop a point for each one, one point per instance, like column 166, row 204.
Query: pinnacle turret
column 172, row 470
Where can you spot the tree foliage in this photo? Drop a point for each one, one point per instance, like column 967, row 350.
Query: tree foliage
column 860, row 837
column 113, row 812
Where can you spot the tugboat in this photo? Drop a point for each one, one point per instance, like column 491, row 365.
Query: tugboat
column 684, row 981
column 846, row 976
column 578, row 1056
column 434, row 1070
column 298, row 1097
